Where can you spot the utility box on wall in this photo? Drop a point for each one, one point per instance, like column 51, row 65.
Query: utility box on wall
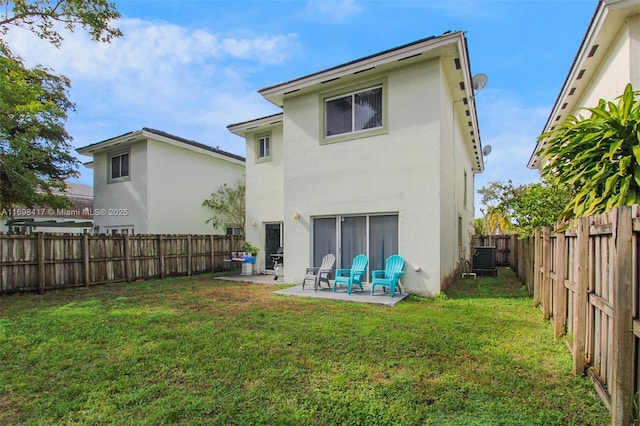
column 484, row 260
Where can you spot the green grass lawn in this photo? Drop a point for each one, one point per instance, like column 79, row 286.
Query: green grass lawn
column 202, row 351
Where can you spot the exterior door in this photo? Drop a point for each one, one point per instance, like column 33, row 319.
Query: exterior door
column 272, row 242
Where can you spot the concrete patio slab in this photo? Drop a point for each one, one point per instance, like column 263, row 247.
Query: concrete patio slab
column 356, row 295
column 341, row 294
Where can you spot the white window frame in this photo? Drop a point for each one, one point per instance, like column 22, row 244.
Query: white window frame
column 263, row 152
column 121, row 177
column 352, row 91
column 120, row 230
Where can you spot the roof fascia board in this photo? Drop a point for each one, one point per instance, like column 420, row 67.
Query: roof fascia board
column 465, row 67
column 180, row 144
column 127, row 137
column 403, row 52
column 241, row 129
column 597, row 21
column 142, row 135
column 592, row 33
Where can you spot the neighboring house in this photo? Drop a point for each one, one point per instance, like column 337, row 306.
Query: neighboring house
column 375, row 156
column 75, row 219
column 608, row 59
column 151, row 182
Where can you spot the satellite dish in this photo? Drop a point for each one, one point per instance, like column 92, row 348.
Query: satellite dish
column 479, row 81
column 486, row 150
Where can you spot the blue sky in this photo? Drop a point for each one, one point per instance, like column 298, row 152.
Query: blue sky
column 192, row 67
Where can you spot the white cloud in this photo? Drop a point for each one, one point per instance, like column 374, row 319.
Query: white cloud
column 149, row 45
column 189, row 82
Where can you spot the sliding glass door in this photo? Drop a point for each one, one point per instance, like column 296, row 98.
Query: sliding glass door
column 383, row 239
column 347, row 236
column 325, row 239
column 353, row 238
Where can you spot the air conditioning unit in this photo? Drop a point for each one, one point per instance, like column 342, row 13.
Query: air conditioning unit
column 484, row 260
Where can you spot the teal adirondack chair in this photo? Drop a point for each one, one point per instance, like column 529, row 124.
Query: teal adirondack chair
column 352, row 276
column 390, row 277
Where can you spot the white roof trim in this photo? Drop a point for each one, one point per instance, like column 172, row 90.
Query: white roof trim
column 275, row 93
column 610, row 13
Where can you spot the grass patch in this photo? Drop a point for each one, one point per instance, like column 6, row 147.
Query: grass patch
column 199, row 350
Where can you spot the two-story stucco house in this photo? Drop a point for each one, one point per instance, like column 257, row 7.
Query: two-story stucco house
column 374, row 156
column 608, row 59
column 151, row 182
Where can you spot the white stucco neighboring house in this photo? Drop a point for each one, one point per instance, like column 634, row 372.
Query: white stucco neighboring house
column 607, row 60
column 374, row 156
column 152, row 182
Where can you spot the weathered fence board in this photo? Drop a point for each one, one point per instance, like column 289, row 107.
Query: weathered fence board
column 585, row 279
column 502, row 243
column 40, row 262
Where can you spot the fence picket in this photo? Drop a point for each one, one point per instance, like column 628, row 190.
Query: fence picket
column 596, row 299
column 50, row 261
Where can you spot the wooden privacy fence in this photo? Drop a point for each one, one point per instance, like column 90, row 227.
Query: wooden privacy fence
column 585, row 279
column 502, row 243
column 43, row 261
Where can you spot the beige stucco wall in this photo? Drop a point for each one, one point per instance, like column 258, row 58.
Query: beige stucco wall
column 397, row 172
column 620, row 66
column 265, row 184
column 456, row 205
column 415, row 170
column 110, row 198
column 165, row 190
column 180, row 179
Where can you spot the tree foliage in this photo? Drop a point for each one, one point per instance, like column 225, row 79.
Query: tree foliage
column 34, row 103
column 598, row 156
column 522, row 209
column 228, row 205
column 34, row 146
column 42, row 17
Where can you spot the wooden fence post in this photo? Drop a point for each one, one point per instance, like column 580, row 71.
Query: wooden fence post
column 127, row 258
column 560, row 296
column 189, row 255
column 41, row 263
column 622, row 377
column 85, row 255
column 212, row 241
column 547, row 307
column 581, row 297
column 161, row 255
column 537, row 260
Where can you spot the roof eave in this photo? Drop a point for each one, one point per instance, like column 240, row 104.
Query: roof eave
column 275, row 94
column 570, row 91
column 144, row 134
column 241, row 129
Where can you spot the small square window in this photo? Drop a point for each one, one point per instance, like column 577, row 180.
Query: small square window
column 120, row 166
column 234, row 231
column 263, row 147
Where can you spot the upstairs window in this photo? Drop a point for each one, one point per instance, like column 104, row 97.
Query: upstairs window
column 354, row 112
column 120, row 166
column 264, row 147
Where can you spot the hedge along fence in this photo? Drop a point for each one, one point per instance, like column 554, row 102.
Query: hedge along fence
column 585, row 279
column 44, row 261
